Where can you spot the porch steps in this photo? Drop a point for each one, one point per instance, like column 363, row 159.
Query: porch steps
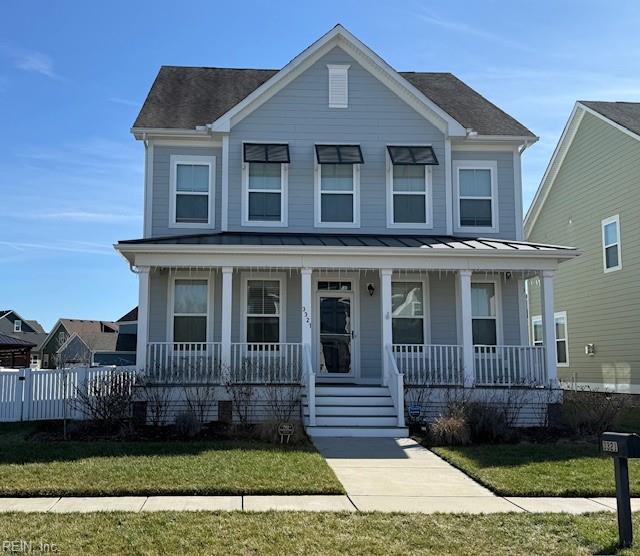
column 353, row 410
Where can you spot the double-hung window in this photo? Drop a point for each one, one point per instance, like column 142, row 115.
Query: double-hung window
column 17, row 325
column 190, row 309
column 265, row 176
column 409, row 186
column 476, row 191
column 611, row 253
column 408, row 314
column 263, row 310
column 484, row 313
column 337, row 185
column 192, row 186
column 560, row 321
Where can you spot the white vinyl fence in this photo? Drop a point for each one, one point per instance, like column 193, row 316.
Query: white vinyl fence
column 39, row 394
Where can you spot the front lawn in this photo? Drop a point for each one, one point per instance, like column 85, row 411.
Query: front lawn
column 101, row 468
column 563, row 468
column 315, row 533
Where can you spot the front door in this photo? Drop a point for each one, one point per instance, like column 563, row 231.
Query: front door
column 336, row 334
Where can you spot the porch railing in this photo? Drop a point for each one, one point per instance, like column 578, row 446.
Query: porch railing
column 429, row 364
column 394, row 380
column 266, row 363
column 184, row 363
column 310, row 384
column 510, row 365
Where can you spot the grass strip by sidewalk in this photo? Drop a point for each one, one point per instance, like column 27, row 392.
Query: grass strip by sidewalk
column 540, row 469
column 316, row 533
column 111, row 468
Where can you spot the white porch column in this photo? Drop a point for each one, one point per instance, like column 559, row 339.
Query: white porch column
column 307, row 306
column 143, row 316
column 466, row 326
column 225, row 336
column 548, row 324
column 387, row 330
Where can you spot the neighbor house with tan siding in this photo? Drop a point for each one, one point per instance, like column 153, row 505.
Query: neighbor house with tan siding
column 589, row 198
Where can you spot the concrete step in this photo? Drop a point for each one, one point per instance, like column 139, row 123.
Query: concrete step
column 355, row 421
column 355, row 410
column 335, row 432
column 351, row 401
column 352, row 391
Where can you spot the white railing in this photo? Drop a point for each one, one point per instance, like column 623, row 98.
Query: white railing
column 184, row 363
column 310, row 384
column 266, row 363
column 509, row 365
column 394, row 381
column 429, row 364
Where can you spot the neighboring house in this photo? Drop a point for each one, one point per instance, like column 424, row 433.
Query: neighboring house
column 327, row 217
column 15, row 353
column 12, row 324
column 89, row 342
column 589, row 198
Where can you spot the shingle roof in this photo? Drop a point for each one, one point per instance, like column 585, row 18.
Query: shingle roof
column 186, row 97
column 344, row 240
column 95, row 333
column 626, row 114
column 131, row 316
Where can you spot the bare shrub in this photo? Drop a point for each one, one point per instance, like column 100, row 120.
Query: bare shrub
column 512, row 404
column 242, row 391
column 450, row 430
column 488, row 423
column 106, row 399
column 201, row 399
column 158, row 399
column 187, row 424
column 587, row 412
column 283, row 401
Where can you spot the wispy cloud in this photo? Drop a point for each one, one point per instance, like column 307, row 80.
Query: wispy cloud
column 62, row 246
column 124, row 101
column 86, row 216
column 36, row 62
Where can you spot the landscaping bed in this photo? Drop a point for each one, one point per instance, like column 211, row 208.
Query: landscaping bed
column 316, row 533
column 562, row 468
column 32, row 464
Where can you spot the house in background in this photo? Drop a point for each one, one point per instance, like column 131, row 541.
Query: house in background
column 15, row 353
column 340, row 223
column 590, row 197
column 91, row 342
column 30, row 331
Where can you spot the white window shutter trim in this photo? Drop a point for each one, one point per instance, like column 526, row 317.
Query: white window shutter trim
column 338, row 86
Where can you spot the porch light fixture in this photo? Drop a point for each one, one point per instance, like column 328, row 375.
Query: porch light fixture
column 371, row 289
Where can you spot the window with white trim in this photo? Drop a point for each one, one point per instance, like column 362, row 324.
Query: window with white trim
column 17, row 325
column 611, row 253
column 192, row 188
column 338, row 86
column 562, row 351
column 190, row 310
column 263, row 311
column 407, row 312
column 484, row 313
column 476, row 196
column 35, row 361
column 337, row 185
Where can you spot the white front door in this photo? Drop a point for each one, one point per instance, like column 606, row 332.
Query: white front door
column 335, row 333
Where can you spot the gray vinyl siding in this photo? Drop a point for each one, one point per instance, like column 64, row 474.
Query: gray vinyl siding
column 161, row 188
column 370, row 333
column 299, row 114
column 599, row 178
column 158, row 288
column 506, row 189
column 442, row 308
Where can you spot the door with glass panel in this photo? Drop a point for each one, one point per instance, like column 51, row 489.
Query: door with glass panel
column 335, row 332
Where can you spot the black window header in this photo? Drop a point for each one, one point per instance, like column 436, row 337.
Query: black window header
column 412, row 155
column 339, row 154
column 263, row 152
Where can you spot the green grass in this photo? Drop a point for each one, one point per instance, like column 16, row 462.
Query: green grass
column 316, row 533
column 100, row 468
column 545, row 469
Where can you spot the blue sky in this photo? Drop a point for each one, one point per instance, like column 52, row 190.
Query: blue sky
column 73, row 75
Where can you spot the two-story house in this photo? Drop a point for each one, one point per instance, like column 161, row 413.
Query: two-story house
column 357, row 224
column 589, row 197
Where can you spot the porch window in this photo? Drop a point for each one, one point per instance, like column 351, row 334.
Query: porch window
column 265, row 182
column 611, row 244
column 476, row 192
column 263, row 311
column 407, row 304
column 190, row 302
column 483, row 308
column 337, row 185
column 192, row 191
column 562, row 352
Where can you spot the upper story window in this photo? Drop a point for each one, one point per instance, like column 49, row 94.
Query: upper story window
column 476, row 196
column 265, row 177
column 409, row 199
column 611, row 252
column 192, row 191
column 338, row 185
column 17, row 325
column 338, row 86
column 562, row 353
column 484, row 313
column 190, row 310
column 408, row 315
